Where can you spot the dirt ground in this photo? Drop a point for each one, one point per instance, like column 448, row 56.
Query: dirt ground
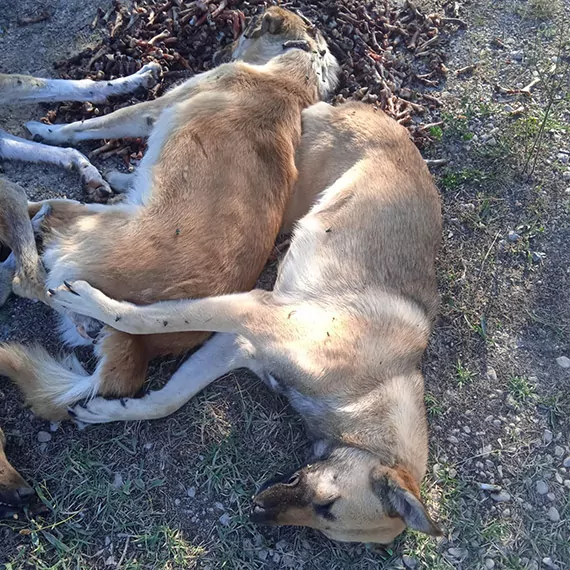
column 175, row 493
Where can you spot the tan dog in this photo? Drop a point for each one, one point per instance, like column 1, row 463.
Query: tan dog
column 342, row 334
column 201, row 215
column 15, row 493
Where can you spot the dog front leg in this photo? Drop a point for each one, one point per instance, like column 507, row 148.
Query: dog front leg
column 135, row 121
column 16, row 148
column 24, row 88
column 226, row 313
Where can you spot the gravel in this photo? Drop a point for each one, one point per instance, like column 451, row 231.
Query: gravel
column 541, row 487
column 501, row 497
column 43, row 436
column 553, row 514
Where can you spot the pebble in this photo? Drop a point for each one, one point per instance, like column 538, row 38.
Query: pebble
column 452, row 439
column 551, row 497
column 191, row 492
column 566, row 175
column 501, row 497
column 409, row 561
column 53, row 426
column 467, row 429
column 489, row 563
column 117, row 481
column 177, row 502
column 563, row 362
column 558, row 451
column 225, row 519
column 458, row 552
column 219, row 506
column 541, row 487
column 263, row 554
column 553, row 514
column 566, row 462
column 563, row 158
column 547, row 437
column 44, row 436
column 492, row 141
column 547, row 561
column 513, row 236
column 517, row 55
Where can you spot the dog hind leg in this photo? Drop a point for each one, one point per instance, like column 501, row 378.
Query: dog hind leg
column 16, row 232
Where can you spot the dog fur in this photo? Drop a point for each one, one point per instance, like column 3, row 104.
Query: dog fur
column 341, row 335
column 201, row 214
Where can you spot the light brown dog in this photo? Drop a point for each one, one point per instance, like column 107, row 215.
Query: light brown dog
column 201, row 214
column 15, row 493
column 342, row 334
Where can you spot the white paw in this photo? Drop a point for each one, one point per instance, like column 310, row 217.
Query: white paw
column 45, row 133
column 119, row 181
column 78, row 297
column 99, row 411
column 149, row 74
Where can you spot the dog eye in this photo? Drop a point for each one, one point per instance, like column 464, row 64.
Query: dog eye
column 324, row 509
column 293, row 480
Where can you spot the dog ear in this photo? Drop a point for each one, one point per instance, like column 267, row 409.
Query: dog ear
column 272, row 22
column 400, row 495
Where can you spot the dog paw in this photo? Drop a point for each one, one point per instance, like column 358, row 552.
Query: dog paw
column 44, row 133
column 99, row 411
column 78, row 297
column 149, row 74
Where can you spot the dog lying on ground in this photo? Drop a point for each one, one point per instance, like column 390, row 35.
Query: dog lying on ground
column 341, row 335
column 201, row 213
column 15, row 493
column 27, row 89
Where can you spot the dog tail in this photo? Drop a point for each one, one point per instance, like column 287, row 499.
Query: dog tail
column 49, row 385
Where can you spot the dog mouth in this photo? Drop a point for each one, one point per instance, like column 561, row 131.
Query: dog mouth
column 261, row 515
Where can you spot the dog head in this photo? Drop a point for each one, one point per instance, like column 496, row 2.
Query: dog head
column 15, row 493
column 275, row 31
column 349, row 496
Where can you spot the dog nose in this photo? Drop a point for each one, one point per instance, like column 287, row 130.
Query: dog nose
column 25, row 493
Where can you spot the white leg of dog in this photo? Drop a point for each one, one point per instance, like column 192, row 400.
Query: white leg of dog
column 31, row 90
column 135, row 121
column 214, row 359
column 16, row 148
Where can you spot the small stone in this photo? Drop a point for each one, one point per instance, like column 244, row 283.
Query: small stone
column 225, row 519
column 148, row 446
column 566, row 175
column 489, row 563
column 491, row 141
column 467, row 429
column 263, row 554
column 452, row 473
column 563, row 157
column 558, row 451
column 513, row 236
column 458, row 553
column 563, row 362
column 117, row 481
column 547, row 437
column 501, row 497
column 53, row 426
column 541, row 487
column 44, row 436
column 517, row 55
column 219, row 506
column 553, row 514
column 551, row 497
column 452, row 439
column 547, row 561
column 409, row 561
column 566, row 462
column 191, row 492
column 491, row 374
column 177, row 502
